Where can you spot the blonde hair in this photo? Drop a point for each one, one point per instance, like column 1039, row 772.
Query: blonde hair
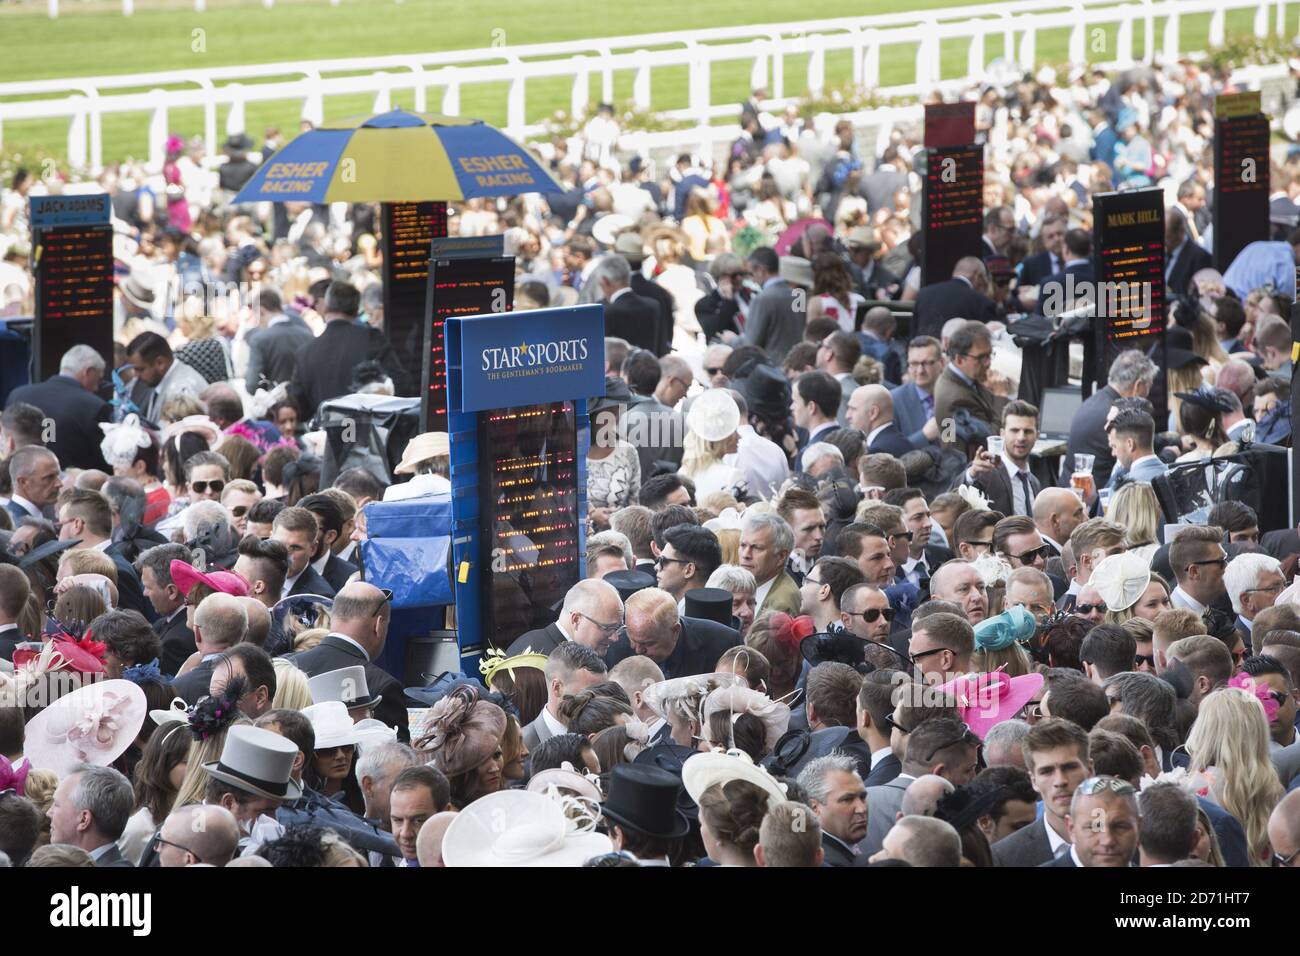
column 1014, row 660
column 1187, row 379
column 1128, row 614
column 291, row 690
column 338, row 853
column 1136, row 508
column 193, row 320
column 40, row 788
column 1231, row 736
column 180, row 406
column 89, row 561
column 700, row 455
column 306, row 640
column 201, row 752
column 729, row 541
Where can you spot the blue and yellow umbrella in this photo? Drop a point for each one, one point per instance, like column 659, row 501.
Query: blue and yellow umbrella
column 398, row 156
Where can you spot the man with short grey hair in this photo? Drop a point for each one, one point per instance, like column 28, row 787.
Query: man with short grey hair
column 839, row 799
column 1253, row 582
column 72, row 407
column 1003, row 744
column 592, row 616
column 34, row 477
column 627, row 315
column 765, row 545
column 922, row 796
column 90, row 810
column 376, row 767
column 819, row 458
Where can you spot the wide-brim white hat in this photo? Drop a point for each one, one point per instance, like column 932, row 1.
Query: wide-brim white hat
column 605, row 230
column 178, row 711
column 421, row 448
column 1120, row 580
column 257, row 761
column 371, row 732
column 564, row 779
column 714, row 415
column 94, row 724
column 332, row 723
column 703, row 770
column 199, row 424
column 518, row 828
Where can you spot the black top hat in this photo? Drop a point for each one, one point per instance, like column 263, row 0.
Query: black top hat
column 238, row 143
column 629, row 582
column 842, row 647
column 767, row 392
column 1179, row 349
column 644, row 799
column 712, row 604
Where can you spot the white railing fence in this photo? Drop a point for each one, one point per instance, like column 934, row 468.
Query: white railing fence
column 436, row 81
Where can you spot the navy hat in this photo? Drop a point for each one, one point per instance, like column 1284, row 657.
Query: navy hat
column 711, row 604
column 644, row 799
column 629, row 582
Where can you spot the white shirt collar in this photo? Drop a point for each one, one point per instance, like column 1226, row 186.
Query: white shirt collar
column 1142, row 459
column 1074, row 855
column 879, row 755
column 1054, row 839
column 553, row 723
column 11, row 626
column 1180, row 596
column 290, row 581
column 1012, row 468
column 26, row 505
column 1049, row 539
column 344, row 637
column 613, row 298
column 319, row 566
column 562, row 627
column 652, row 728
column 876, row 431
column 99, row 851
column 103, row 546
column 760, row 593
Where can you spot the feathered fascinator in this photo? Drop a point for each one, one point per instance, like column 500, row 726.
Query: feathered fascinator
column 211, row 715
column 123, row 441
column 462, row 731
column 1261, row 691
column 71, row 651
column 973, row 497
column 144, row 673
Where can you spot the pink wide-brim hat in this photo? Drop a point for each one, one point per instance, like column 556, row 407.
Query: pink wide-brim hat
column 988, row 699
column 185, row 576
column 94, row 724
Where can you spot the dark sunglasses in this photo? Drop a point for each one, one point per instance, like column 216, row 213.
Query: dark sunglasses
column 239, row 511
column 895, row 725
column 907, row 535
column 967, row 737
column 1144, row 659
column 1029, row 557
column 914, row 658
column 1221, row 562
column 1280, row 860
column 712, row 371
column 661, row 561
column 871, row 615
column 331, row 751
column 201, row 487
column 1089, row 608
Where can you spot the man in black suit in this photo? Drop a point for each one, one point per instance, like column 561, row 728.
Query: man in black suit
column 92, row 817
column 1034, row 269
column 839, row 798
column 1056, row 756
column 627, row 315
column 999, row 228
column 71, row 402
column 324, row 562
column 963, row 296
column 871, row 411
column 220, row 622
column 86, row 516
column 325, row 366
column 1130, row 376
column 1104, row 826
column 359, row 628
column 299, row 531
column 774, row 324
column 1184, row 257
column 168, row 603
column 273, row 350
column 1007, row 481
column 14, row 592
column 592, row 616
column 1062, row 290
column 630, row 246
column 875, row 703
column 681, row 646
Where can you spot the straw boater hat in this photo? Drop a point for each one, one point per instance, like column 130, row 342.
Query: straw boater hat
column 333, row 726
column 1120, row 580
column 94, row 724
column 796, row 271
column 258, row 762
column 862, row 237
column 422, row 448
column 630, row 246
column 518, row 828
column 199, row 424
column 347, row 684
column 714, row 416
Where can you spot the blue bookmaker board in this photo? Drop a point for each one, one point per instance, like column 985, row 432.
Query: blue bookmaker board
column 517, row 391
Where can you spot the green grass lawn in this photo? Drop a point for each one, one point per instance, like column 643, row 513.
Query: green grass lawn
column 102, row 41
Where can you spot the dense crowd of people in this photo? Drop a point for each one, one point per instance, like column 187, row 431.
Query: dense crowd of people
column 843, row 603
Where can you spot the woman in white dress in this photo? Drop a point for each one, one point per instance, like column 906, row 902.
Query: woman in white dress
column 832, row 293
column 613, row 467
column 711, row 434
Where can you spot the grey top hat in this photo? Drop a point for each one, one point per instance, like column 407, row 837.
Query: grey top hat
column 257, row 761
column 347, row 684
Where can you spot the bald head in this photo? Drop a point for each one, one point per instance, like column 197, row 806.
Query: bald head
column 361, row 613
column 922, row 796
column 1237, row 377
column 972, row 269
column 209, row 832
column 870, row 407
column 250, row 862
column 428, row 844
column 1284, row 826
column 1057, row 512
column 259, row 620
